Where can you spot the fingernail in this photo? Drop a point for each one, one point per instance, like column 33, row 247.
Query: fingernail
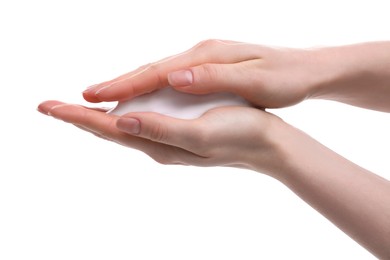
column 100, row 90
column 180, row 78
column 129, row 125
column 50, row 112
column 90, row 88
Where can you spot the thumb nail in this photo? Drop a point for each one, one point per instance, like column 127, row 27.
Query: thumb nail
column 180, row 78
column 129, row 125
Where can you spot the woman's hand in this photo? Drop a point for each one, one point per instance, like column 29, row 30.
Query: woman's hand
column 229, row 136
column 267, row 77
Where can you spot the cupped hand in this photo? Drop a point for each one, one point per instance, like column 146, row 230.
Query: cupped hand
column 229, row 136
column 267, row 77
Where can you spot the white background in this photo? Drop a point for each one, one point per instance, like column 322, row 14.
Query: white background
column 65, row 194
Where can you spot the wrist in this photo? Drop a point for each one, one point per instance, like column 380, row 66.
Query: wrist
column 334, row 68
column 273, row 157
column 344, row 73
column 291, row 153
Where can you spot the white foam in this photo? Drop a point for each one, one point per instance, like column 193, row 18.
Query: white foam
column 173, row 103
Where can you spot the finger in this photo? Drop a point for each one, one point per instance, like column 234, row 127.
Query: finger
column 99, row 124
column 89, row 93
column 243, row 79
column 92, row 132
column 104, row 125
column 95, row 120
column 154, row 76
column 100, row 109
column 96, row 87
column 162, row 129
column 208, row 78
column 45, row 106
column 92, row 89
column 161, row 153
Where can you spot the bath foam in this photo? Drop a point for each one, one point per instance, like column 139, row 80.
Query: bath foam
column 168, row 101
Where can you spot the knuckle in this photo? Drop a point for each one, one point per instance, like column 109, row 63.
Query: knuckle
column 207, row 43
column 155, row 69
column 158, row 133
column 143, row 67
column 208, row 72
column 108, row 127
column 154, row 66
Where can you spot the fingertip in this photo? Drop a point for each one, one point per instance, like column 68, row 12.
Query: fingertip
column 114, row 92
column 66, row 112
column 46, row 106
column 103, row 94
column 53, row 110
column 40, row 109
column 90, row 97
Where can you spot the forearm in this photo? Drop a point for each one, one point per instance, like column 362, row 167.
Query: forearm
column 355, row 74
column 354, row 199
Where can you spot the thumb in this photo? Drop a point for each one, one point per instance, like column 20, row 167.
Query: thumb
column 208, row 78
column 159, row 128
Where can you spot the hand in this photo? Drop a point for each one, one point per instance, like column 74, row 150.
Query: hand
column 211, row 140
column 267, row 77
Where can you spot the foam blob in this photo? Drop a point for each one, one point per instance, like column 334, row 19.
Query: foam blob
column 173, row 103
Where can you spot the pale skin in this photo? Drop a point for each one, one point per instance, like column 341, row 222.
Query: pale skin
column 354, row 199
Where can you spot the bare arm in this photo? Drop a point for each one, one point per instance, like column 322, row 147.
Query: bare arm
column 354, row 199
column 356, row 74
